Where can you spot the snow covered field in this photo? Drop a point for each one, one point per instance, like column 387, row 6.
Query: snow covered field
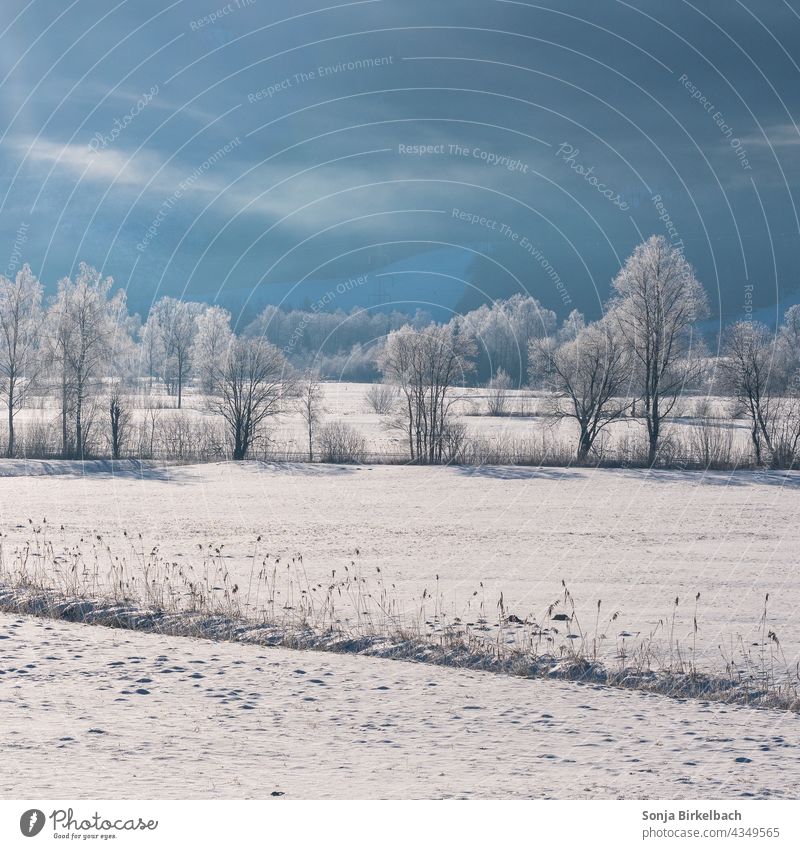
column 95, row 712
column 527, row 423
column 90, row 712
column 633, row 540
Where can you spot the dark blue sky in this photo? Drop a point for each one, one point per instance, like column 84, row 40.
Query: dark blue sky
column 259, row 152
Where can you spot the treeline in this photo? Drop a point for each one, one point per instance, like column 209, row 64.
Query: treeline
column 341, row 345
column 639, row 360
column 81, row 352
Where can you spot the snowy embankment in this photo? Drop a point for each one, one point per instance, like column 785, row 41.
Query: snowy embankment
column 451, row 651
column 197, row 719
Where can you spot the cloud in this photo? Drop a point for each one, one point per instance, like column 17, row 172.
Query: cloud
column 81, row 161
column 778, row 135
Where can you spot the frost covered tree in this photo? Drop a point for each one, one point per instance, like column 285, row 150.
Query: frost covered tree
column 252, row 383
column 657, row 302
column 150, row 347
column 754, row 368
column 590, row 373
column 170, row 328
column 211, row 342
column 88, row 327
column 503, row 332
column 310, row 406
column 790, row 339
column 426, row 365
column 572, row 326
column 20, row 332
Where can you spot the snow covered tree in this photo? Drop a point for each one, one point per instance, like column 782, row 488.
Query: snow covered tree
column 150, row 349
column 211, row 342
column 20, row 332
column 309, row 403
column 171, row 327
column 572, row 326
column 790, row 339
column 503, row 332
column 657, row 302
column 755, row 373
column 88, row 327
column 426, row 365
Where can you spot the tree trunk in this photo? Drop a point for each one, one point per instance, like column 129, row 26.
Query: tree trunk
column 584, row 444
column 64, row 437
column 115, row 417
column 240, row 445
column 754, row 435
column 410, row 427
column 653, row 429
column 652, row 451
column 78, row 427
column 10, row 450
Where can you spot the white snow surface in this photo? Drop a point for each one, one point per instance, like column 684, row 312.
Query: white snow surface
column 632, row 539
column 92, row 712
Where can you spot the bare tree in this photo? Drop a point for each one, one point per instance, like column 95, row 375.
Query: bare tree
column 251, row 384
column 339, row 442
column 120, row 420
column 309, row 403
column 752, row 366
column 657, row 302
column 497, row 393
column 381, row 398
column 426, row 365
column 20, row 332
column 88, row 326
column 590, row 372
column 710, row 443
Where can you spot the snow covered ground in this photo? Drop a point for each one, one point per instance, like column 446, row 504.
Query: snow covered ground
column 633, row 540
column 90, row 712
column 528, row 421
column 95, row 712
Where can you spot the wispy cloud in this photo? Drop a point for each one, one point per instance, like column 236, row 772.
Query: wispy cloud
column 80, row 161
column 777, row 135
